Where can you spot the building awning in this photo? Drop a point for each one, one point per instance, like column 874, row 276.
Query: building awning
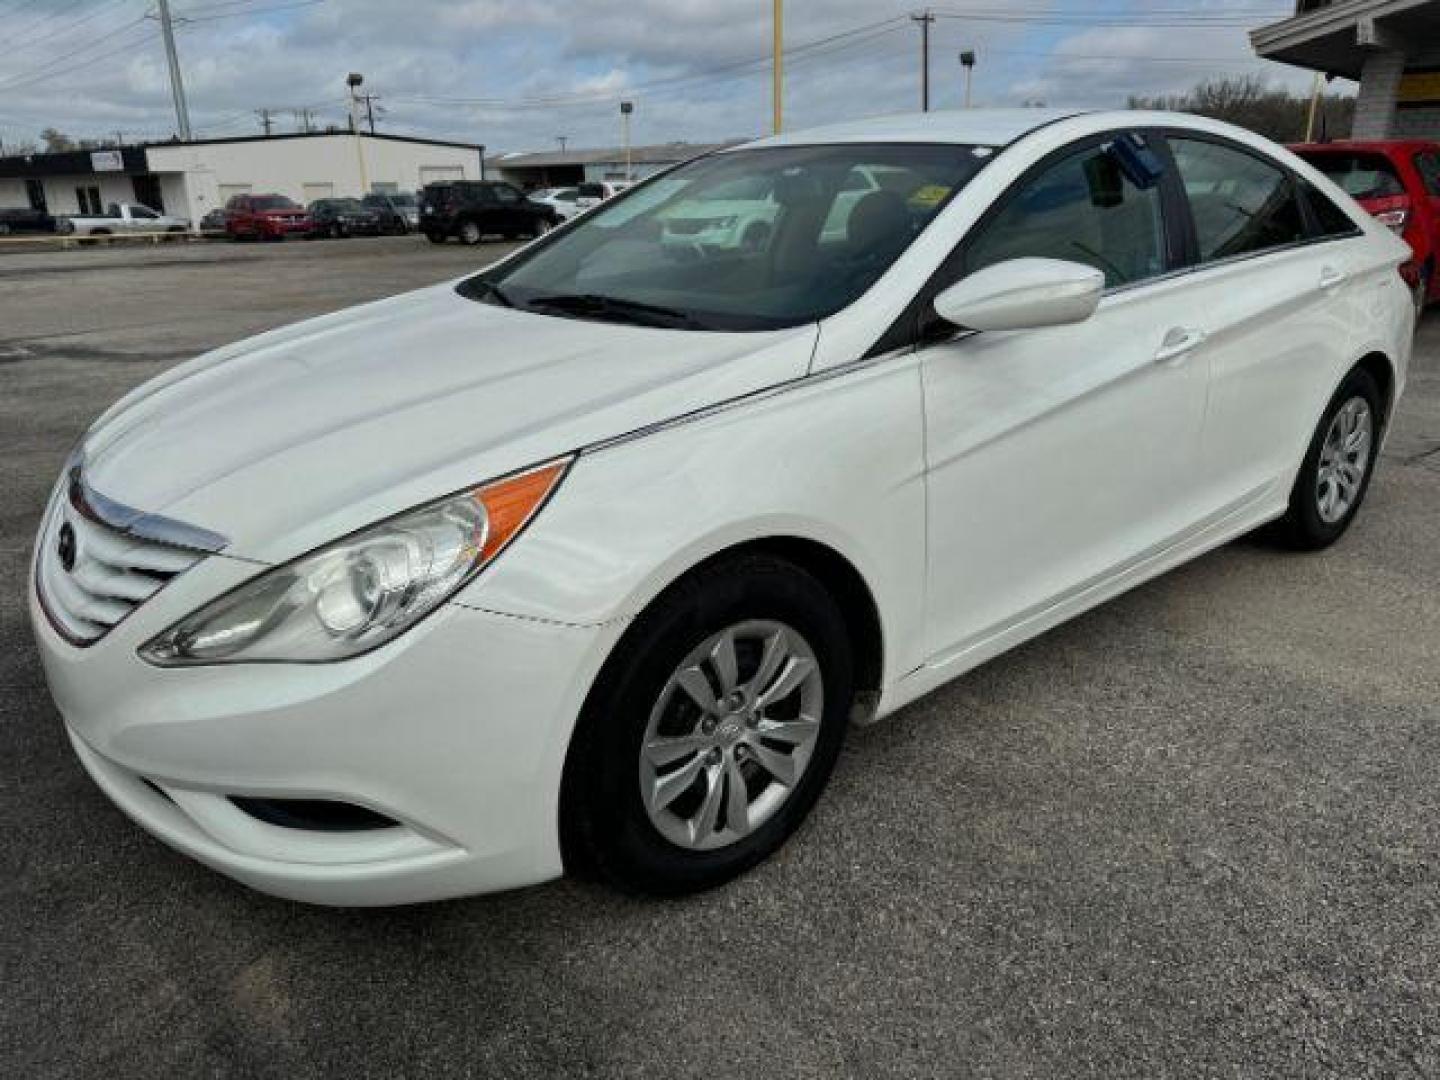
column 1335, row 38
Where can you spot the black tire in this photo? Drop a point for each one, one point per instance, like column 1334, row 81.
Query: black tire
column 1303, row 527
column 435, row 237
column 605, row 828
column 471, row 233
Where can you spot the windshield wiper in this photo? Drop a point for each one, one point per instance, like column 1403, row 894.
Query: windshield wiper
column 616, row 309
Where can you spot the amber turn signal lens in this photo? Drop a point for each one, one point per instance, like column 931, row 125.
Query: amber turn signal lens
column 510, row 503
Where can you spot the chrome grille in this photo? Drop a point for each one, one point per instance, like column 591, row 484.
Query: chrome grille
column 98, row 561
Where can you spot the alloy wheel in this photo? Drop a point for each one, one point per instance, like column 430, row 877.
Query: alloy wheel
column 1344, row 459
column 731, row 734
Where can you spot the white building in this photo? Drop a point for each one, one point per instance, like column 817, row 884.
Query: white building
column 190, row 179
column 559, row 168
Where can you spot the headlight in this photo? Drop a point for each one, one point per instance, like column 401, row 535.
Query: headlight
column 360, row 592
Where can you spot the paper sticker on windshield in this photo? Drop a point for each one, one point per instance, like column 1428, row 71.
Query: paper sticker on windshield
column 930, row 195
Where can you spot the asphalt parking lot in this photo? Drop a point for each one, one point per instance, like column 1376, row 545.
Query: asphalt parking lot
column 1191, row 834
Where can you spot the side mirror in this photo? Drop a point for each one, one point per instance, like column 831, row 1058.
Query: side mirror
column 1022, row 294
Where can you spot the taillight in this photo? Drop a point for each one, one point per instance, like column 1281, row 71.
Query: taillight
column 1394, row 220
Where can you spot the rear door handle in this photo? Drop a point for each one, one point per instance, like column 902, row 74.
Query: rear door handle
column 1330, row 277
column 1179, row 340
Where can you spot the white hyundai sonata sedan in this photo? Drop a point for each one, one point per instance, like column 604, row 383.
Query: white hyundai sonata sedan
column 586, row 561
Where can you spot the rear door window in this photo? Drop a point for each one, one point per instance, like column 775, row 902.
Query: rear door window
column 1428, row 165
column 1241, row 204
column 1360, row 174
column 1330, row 220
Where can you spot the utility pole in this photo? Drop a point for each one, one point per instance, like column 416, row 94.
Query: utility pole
column 562, row 140
column 265, row 121
column 353, row 82
column 925, row 18
column 777, row 89
column 302, row 120
column 177, row 85
column 369, row 100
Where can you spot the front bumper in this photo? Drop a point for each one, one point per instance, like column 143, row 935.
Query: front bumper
column 457, row 731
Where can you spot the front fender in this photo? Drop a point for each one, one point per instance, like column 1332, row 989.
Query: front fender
column 837, row 460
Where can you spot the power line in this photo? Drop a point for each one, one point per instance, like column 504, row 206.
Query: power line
column 16, row 45
column 43, row 72
column 817, row 47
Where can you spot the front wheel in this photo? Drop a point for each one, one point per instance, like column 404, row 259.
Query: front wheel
column 435, row 237
column 1339, row 462
column 712, row 730
column 470, row 233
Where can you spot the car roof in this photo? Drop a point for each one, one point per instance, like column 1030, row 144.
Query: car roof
column 975, row 127
column 999, row 127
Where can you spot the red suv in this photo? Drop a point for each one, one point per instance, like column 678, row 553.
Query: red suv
column 265, row 217
column 1399, row 183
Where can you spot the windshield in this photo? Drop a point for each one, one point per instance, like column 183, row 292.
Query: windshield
column 342, row 204
column 273, row 202
column 745, row 240
column 402, row 200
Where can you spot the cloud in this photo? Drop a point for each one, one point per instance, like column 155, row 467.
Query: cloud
column 515, row 75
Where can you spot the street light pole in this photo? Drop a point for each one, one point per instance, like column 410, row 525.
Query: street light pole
column 967, row 61
column 777, row 89
column 626, row 108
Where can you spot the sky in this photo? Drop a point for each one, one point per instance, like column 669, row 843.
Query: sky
column 519, row 76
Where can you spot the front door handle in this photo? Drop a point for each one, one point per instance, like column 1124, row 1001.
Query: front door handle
column 1331, row 276
column 1179, row 340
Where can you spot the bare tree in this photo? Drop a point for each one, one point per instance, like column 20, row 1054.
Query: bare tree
column 1250, row 102
column 56, row 140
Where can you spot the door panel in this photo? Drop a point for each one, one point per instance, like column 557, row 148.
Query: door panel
column 1278, row 309
column 1059, row 455
column 1055, row 456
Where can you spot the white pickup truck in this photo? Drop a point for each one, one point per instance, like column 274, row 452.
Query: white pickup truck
column 122, row 219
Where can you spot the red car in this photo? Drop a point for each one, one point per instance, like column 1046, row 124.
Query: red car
column 1399, row 183
column 265, row 217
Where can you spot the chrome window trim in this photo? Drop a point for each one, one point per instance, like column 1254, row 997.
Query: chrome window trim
column 155, row 528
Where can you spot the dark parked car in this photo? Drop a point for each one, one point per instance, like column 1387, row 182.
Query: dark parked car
column 344, row 217
column 472, row 210
column 213, row 223
column 399, row 213
column 24, row 219
column 265, row 217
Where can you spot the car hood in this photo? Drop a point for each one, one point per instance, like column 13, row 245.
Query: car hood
column 303, row 434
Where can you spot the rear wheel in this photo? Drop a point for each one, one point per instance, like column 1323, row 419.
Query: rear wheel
column 470, row 233
column 1335, row 474
column 435, row 237
column 712, row 730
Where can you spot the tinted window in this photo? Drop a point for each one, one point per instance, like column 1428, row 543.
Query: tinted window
column 1428, row 165
column 1332, row 221
column 1241, row 204
column 273, row 202
column 1083, row 209
column 1360, row 175
column 682, row 251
